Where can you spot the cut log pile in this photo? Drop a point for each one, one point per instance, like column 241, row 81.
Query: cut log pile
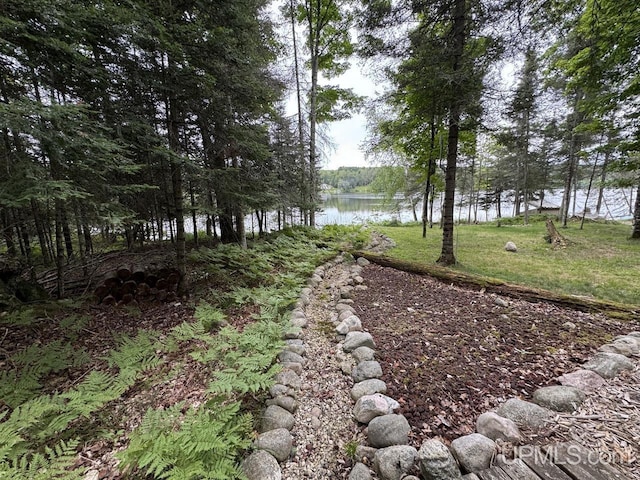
column 128, row 286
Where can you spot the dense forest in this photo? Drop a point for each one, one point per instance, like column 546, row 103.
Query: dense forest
column 123, row 118
column 347, row 179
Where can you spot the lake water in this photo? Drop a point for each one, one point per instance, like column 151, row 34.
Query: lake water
column 357, row 208
column 362, row 208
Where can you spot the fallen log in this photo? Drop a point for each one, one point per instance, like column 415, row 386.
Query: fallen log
column 493, row 285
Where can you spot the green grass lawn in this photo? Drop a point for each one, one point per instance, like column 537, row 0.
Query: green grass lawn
column 602, row 260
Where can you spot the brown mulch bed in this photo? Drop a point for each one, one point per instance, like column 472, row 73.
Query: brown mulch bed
column 449, row 353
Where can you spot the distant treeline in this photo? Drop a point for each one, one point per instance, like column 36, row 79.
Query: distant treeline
column 347, row 179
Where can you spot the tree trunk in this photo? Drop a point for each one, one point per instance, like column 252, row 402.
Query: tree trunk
column 430, row 171
column 60, row 263
column 447, row 256
column 7, row 232
column 603, row 178
column 571, row 164
column 66, row 230
column 23, row 234
column 210, row 216
column 176, row 181
column 636, row 216
column 81, row 245
column 312, row 140
column 42, row 238
column 303, row 169
column 194, row 216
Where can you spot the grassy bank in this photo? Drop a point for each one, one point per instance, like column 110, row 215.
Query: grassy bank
column 601, row 261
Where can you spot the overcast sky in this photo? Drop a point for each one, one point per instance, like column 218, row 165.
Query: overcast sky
column 348, row 135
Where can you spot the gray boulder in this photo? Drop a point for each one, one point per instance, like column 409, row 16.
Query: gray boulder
column 304, row 300
column 287, row 356
column 474, row 452
column 360, row 472
column 608, row 365
column 525, row 413
column 346, row 291
column 586, row 380
column 344, row 314
column 436, row 461
column 299, row 322
column 495, row 427
column 624, row 345
column 292, row 333
column 368, row 387
column 622, row 349
column 511, row 247
column 288, row 403
column 362, row 354
column 289, row 378
column 388, row 430
column 631, row 339
column 366, row 370
column 393, row 463
column 363, row 262
column 341, row 307
column 354, row 340
column 296, row 367
column 370, row 406
column 277, row 442
column 276, row 417
column 261, row 465
column 278, row 390
column 349, row 324
column 559, row 398
column 295, row 348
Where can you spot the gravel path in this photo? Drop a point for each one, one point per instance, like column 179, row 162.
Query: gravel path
column 325, row 428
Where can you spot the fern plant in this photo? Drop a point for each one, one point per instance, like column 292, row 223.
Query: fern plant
column 209, row 316
column 20, row 317
column 23, row 382
column 136, row 354
column 201, row 443
column 53, row 462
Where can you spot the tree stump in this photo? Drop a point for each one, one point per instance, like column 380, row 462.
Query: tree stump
column 553, row 236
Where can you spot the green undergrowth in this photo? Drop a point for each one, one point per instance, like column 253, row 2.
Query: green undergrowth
column 601, row 260
column 42, row 428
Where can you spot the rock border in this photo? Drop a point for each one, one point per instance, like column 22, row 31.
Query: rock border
column 388, row 451
column 393, row 459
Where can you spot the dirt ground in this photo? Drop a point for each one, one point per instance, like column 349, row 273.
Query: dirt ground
column 449, row 354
